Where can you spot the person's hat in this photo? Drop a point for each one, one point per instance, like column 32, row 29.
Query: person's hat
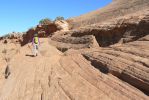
column 36, row 34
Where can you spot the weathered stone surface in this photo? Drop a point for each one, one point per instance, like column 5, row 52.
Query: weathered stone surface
column 99, row 61
column 42, row 30
column 45, row 30
column 14, row 37
column 54, row 76
column 146, row 38
column 120, row 30
column 129, row 62
column 114, row 10
column 65, row 41
column 62, row 25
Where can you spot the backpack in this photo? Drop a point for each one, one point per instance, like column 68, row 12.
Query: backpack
column 36, row 40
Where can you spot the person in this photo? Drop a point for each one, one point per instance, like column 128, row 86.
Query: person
column 35, row 43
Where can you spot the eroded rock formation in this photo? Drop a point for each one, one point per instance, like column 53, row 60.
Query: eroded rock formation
column 114, row 10
column 99, row 61
column 57, row 76
column 62, row 25
column 120, row 30
column 128, row 62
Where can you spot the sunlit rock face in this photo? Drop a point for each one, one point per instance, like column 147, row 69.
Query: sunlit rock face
column 62, row 25
column 104, row 56
column 114, row 10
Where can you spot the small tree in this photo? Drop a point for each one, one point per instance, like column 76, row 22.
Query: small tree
column 45, row 21
column 59, row 18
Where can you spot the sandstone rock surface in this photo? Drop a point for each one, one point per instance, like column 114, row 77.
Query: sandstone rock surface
column 114, row 10
column 106, row 59
column 128, row 62
column 55, row 76
column 62, row 25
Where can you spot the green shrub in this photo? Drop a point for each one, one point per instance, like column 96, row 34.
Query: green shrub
column 45, row 21
column 59, row 18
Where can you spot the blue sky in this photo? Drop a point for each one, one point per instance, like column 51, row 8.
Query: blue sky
column 20, row 15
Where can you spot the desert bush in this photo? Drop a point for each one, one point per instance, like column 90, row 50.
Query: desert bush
column 59, row 18
column 45, row 21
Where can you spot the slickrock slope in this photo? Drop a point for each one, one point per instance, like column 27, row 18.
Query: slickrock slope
column 57, row 76
column 118, row 46
column 114, row 10
column 106, row 59
column 129, row 62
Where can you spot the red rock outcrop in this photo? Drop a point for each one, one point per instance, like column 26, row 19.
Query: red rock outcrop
column 45, row 30
column 42, row 30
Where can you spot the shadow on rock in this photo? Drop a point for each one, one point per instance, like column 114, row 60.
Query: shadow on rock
column 29, row 55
